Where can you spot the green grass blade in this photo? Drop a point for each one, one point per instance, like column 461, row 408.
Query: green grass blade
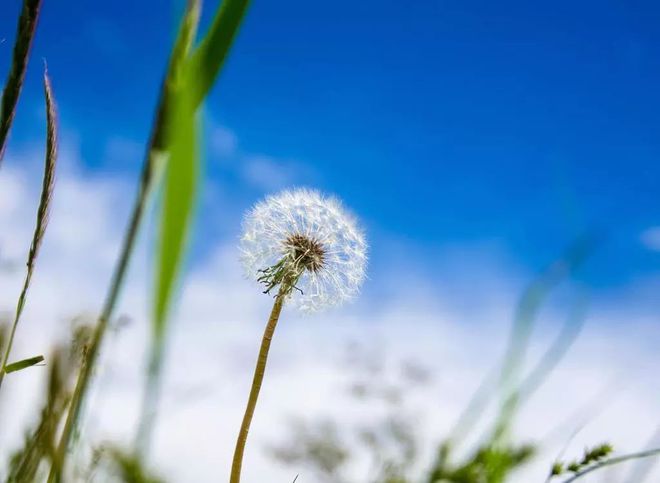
column 178, row 58
column 25, row 363
column 176, row 214
column 209, row 57
column 27, row 24
column 179, row 194
column 48, row 184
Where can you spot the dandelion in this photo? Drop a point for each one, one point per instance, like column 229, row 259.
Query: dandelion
column 308, row 251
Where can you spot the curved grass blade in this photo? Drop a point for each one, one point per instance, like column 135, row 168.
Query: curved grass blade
column 556, row 352
column 27, row 24
column 209, row 57
column 526, row 315
column 549, row 360
column 528, row 307
column 533, row 299
column 42, row 213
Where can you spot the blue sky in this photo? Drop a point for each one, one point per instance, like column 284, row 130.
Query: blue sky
column 514, row 125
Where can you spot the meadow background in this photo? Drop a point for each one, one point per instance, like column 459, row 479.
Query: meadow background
column 474, row 140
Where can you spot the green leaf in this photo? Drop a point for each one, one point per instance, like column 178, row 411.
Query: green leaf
column 25, row 363
column 177, row 206
column 210, row 55
column 176, row 133
column 187, row 85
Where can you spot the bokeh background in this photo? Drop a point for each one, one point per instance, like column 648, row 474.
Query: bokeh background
column 475, row 141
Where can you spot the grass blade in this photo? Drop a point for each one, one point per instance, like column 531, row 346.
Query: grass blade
column 555, row 352
column 209, row 57
column 176, row 215
column 42, row 212
column 157, row 142
column 24, row 364
column 180, row 188
column 526, row 315
column 528, row 307
column 27, row 24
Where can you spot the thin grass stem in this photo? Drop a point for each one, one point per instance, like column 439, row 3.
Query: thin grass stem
column 614, row 461
column 43, row 212
column 27, row 24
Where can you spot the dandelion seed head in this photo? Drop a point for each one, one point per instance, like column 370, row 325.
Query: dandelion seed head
column 307, row 236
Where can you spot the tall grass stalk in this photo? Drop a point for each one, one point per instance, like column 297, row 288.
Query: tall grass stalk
column 146, row 185
column 180, row 192
column 228, row 18
column 42, row 215
column 27, row 24
column 180, row 187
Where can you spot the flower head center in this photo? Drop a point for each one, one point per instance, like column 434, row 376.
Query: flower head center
column 305, row 253
column 301, row 254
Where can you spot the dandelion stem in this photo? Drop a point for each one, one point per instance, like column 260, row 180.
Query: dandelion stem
column 259, row 371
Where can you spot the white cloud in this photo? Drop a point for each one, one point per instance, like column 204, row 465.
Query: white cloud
column 258, row 171
column 218, row 326
column 269, row 174
column 222, row 141
column 651, row 238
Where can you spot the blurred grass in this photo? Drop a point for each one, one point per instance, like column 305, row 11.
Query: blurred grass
column 154, row 153
column 176, row 213
column 29, row 463
column 524, row 320
column 27, row 24
column 210, row 56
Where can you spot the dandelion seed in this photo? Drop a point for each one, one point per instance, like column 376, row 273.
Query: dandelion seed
column 307, row 244
column 308, row 249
